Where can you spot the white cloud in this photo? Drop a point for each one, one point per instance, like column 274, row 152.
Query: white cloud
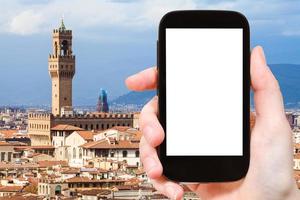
column 29, row 17
column 27, row 22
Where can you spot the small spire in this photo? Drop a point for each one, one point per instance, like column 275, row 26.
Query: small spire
column 62, row 25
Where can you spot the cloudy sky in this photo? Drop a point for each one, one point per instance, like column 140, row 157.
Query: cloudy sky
column 114, row 38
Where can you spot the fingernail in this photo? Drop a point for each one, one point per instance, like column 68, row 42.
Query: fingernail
column 262, row 55
column 171, row 192
column 149, row 164
column 148, row 133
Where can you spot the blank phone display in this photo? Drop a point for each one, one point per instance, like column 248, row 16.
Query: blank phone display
column 204, row 91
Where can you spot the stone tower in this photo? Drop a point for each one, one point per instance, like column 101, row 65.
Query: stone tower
column 61, row 69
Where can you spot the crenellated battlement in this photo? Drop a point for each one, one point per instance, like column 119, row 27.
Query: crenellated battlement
column 48, row 116
column 97, row 116
column 39, row 116
column 59, row 57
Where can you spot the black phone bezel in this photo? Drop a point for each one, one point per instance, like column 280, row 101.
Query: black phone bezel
column 204, row 168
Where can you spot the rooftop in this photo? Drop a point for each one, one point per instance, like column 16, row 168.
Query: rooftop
column 66, row 127
column 105, row 144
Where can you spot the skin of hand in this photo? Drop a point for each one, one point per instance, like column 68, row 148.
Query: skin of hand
column 270, row 175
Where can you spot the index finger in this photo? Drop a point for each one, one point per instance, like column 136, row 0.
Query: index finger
column 144, row 80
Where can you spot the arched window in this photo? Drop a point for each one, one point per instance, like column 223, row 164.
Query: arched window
column 97, row 126
column 137, row 153
column 74, row 153
column 64, row 48
column 92, row 126
column 58, row 190
column 124, row 153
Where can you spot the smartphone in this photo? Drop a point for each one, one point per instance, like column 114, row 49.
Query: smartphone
column 203, row 90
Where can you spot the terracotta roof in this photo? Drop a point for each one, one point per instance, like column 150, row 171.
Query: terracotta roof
column 8, row 133
column 78, row 179
column 86, row 135
column 18, row 166
column 66, row 127
column 95, row 192
column 71, row 171
column 105, row 144
column 20, row 197
column 11, row 188
column 120, row 128
column 47, row 163
column 117, row 128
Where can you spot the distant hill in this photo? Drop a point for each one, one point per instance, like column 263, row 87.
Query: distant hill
column 288, row 76
column 136, row 98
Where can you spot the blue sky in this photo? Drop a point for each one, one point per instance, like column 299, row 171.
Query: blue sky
column 115, row 38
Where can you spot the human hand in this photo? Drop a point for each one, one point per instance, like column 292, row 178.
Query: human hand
column 270, row 174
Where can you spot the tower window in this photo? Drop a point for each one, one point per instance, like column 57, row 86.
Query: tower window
column 64, row 47
column 65, row 98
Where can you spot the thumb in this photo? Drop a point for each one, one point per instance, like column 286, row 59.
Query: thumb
column 267, row 96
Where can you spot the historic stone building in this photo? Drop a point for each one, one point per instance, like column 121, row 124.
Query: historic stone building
column 62, row 69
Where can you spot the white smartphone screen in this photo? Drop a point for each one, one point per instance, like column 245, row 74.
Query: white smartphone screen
column 204, row 91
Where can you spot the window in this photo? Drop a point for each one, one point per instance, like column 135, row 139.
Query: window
column 112, row 154
column 124, row 153
column 2, row 156
column 9, row 156
column 102, row 126
column 97, row 126
column 74, row 153
column 92, row 126
column 137, row 153
column 80, row 153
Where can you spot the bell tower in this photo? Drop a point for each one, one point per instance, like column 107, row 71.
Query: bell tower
column 61, row 69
